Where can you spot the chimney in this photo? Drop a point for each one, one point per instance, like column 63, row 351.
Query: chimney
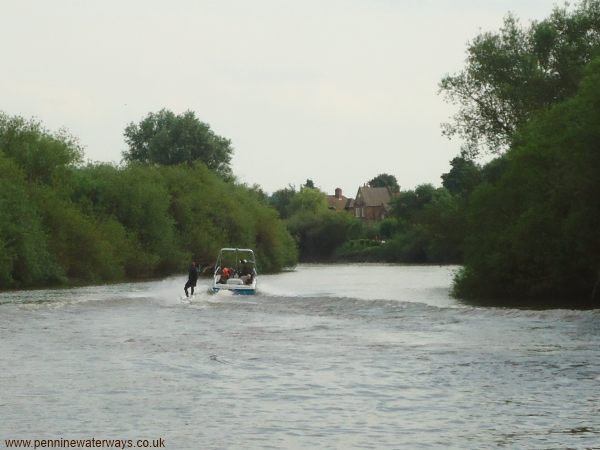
column 338, row 193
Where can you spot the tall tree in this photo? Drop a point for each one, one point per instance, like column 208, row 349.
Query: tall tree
column 281, row 199
column 168, row 139
column 309, row 184
column 517, row 71
column 385, row 180
column 463, row 177
column 532, row 234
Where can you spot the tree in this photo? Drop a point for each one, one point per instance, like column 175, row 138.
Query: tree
column 168, row 139
column 385, row 180
column 515, row 72
column 308, row 200
column 532, row 234
column 463, row 177
column 24, row 256
column 408, row 203
column 281, row 199
column 309, row 184
column 42, row 155
column 317, row 229
column 428, row 227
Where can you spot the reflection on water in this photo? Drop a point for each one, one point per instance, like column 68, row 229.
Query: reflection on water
column 342, row 356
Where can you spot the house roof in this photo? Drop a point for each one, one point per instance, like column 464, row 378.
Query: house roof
column 336, row 203
column 373, row 196
column 339, row 203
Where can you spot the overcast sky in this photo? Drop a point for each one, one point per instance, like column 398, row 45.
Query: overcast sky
column 333, row 90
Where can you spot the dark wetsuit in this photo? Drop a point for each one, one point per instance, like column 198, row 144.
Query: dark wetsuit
column 192, row 279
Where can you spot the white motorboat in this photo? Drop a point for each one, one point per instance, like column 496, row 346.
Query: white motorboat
column 235, row 271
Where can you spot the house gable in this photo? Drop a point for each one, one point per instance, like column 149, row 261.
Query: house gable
column 372, row 203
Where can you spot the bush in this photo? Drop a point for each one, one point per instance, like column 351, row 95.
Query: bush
column 62, row 223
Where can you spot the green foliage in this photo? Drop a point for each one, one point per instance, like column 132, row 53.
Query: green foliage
column 464, row 176
column 41, row 155
column 210, row 213
column 275, row 247
column 533, row 233
column 318, row 230
column 62, row 223
column 425, row 226
column 281, row 199
column 168, row 139
column 309, row 184
column 362, row 250
column 386, row 180
column 517, row 71
column 410, row 202
column 136, row 198
column 390, row 226
column 308, row 200
column 85, row 249
column 24, row 256
column 174, row 213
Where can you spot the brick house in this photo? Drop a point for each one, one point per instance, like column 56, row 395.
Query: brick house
column 338, row 202
column 372, row 203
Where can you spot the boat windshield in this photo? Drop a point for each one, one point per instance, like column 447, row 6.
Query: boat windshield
column 235, row 259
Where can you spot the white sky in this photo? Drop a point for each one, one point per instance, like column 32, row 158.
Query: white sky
column 333, row 90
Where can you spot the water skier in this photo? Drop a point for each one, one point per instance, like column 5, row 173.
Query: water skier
column 192, row 278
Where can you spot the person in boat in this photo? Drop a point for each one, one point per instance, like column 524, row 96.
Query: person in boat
column 192, row 278
column 226, row 273
column 246, row 272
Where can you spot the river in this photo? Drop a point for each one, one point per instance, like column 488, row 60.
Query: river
column 327, row 356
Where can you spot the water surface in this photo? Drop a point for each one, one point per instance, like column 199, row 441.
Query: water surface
column 327, row 356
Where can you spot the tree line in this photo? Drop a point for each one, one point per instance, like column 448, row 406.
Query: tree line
column 531, row 95
column 65, row 222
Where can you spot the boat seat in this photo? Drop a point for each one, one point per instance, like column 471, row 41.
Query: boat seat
column 234, row 281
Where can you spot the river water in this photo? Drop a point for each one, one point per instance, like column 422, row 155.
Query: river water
column 340, row 356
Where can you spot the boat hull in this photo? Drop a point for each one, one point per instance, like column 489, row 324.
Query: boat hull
column 240, row 289
column 237, row 290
